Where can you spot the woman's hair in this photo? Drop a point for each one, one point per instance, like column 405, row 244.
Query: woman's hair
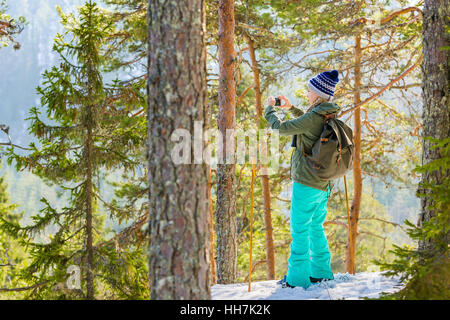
column 316, row 102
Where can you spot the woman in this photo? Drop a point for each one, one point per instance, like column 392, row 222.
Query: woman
column 309, row 260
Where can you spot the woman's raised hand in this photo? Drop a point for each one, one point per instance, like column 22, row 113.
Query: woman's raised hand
column 286, row 104
column 270, row 101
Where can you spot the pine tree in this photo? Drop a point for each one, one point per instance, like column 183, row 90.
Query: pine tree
column 425, row 268
column 85, row 130
column 225, row 207
column 436, row 112
column 179, row 233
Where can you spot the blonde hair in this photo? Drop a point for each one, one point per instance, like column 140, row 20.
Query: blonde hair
column 316, row 102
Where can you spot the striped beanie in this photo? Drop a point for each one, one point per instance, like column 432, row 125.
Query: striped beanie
column 323, row 85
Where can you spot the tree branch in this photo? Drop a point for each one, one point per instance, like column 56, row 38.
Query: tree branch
column 24, row 288
column 337, row 222
column 386, row 19
column 384, row 89
column 5, row 129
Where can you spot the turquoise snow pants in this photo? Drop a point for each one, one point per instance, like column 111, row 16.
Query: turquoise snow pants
column 310, row 255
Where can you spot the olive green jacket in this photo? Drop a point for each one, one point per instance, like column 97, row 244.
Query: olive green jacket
column 308, row 127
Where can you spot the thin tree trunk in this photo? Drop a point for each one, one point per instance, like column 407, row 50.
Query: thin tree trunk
column 179, row 234
column 212, row 256
column 90, row 122
column 357, row 177
column 436, row 100
column 225, row 205
column 211, row 232
column 270, row 249
column 89, row 214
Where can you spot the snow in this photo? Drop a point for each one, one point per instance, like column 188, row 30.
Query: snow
column 343, row 287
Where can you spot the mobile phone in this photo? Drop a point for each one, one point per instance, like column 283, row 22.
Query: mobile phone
column 277, row 102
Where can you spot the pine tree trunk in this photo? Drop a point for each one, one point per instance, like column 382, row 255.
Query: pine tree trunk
column 270, row 248
column 89, row 213
column 212, row 256
column 179, row 234
column 211, row 232
column 435, row 93
column 357, row 176
column 226, row 204
column 90, row 123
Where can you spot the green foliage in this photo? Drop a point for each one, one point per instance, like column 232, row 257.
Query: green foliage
column 86, row 130
column 274, row 42
column 425, row 267
column 375, row 230
column 389, row 148
column 12, row 255
column 120, row 37
column 376, row 227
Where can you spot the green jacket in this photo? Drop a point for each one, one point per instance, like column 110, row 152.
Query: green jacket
column 308, row 127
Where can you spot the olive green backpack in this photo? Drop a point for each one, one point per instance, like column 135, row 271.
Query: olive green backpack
column 332, row 154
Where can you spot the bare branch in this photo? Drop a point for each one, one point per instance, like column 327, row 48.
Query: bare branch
column 24, row 288
column 385, row 88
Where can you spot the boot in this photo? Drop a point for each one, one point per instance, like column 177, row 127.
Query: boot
column 284, row 283
column 316, row 280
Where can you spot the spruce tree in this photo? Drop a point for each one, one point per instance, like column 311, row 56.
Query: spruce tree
column 12, row 255
column 83, row 130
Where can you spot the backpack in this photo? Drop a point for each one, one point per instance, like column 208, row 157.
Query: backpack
column 332, row 154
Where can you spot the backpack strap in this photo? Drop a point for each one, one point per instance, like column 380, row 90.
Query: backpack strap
column 304, row 152
column 329, row 116
column 326, row 117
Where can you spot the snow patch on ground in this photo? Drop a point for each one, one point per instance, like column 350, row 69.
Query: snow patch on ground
column 343, row 287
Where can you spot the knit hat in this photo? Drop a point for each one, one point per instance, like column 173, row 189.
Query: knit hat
column 323, row 85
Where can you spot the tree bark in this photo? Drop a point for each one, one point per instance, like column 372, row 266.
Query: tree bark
column 212, row 256
column 90, row 123
column 357, row 176
column 179, row 264
column 436, row 102
column 89, row 213
column 211, row 232
column 270, row 249
column 225, row 206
